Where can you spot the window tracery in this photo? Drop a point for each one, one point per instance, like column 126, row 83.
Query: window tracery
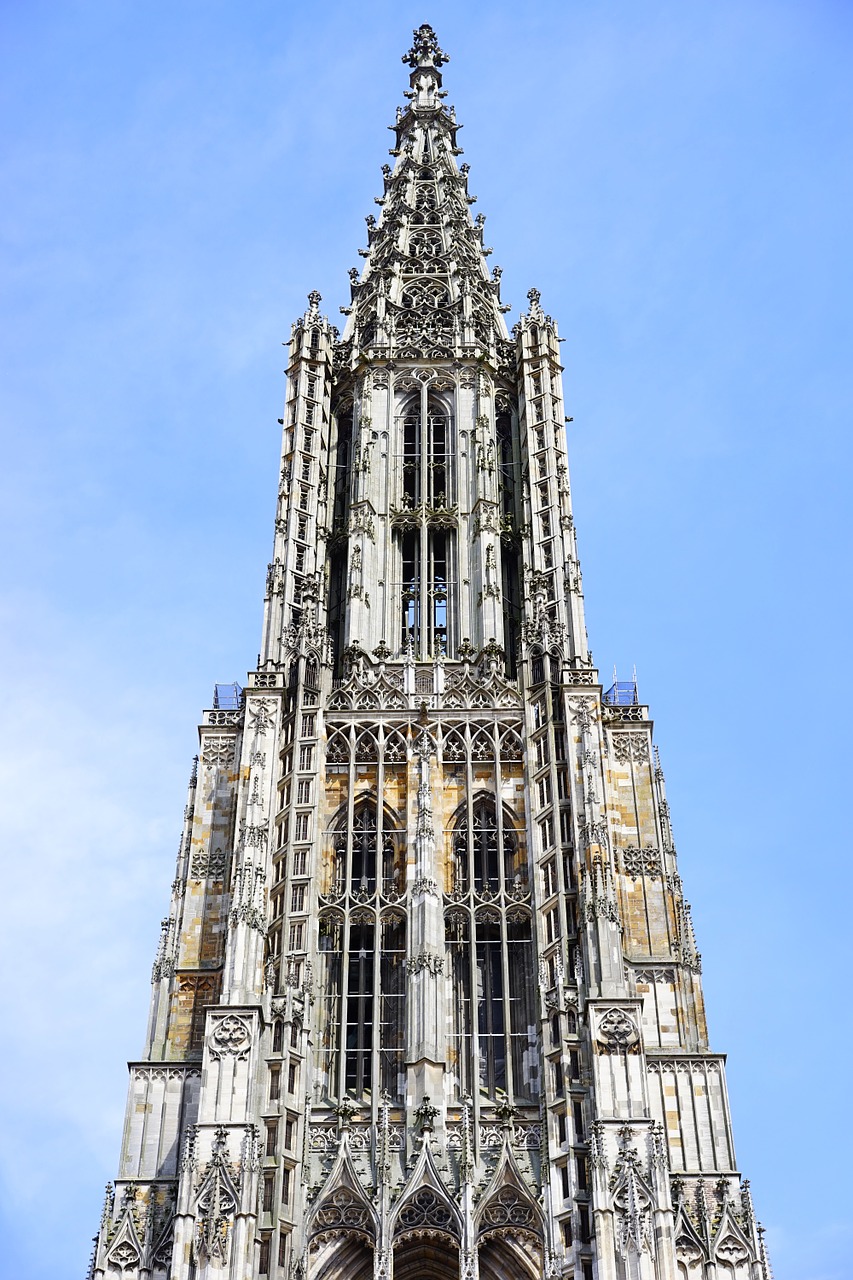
column 426, row 545
column 362, row 952
column 490, row 957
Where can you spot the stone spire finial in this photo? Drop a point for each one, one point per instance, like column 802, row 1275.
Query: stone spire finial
column 425, row 1115
column 425, row 50
column 314, row 300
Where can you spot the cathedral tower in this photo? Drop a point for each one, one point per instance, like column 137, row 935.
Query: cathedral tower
column 427, row 1002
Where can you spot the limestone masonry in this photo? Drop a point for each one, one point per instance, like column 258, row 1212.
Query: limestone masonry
column 427, row 1002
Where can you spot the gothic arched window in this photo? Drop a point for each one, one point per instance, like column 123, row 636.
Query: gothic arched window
column 362, row 954
column 486, row 858
column 491, row 959
column 364, row 856
column 341, row 478
column 427, row 549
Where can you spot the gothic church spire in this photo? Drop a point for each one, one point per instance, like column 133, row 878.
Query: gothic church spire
column 425, row 290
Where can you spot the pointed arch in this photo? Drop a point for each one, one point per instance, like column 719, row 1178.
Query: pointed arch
column 343, row 1207
column 394, row 748
column 485, row 850
column 368, row 852
column 125, row 1252
column 424, row 447
column 366, row 746
column 368, row 700
column 433, row 1257
column 361, row 990
column 338, row 746
column 509, row 1224
column 344, row 1257
column 494, row 1044
column 732, row 1250
column 690, row 1249
column 453, row 747
column 507, row 1207
column 217, row 1199
column 512, row 748
column 425, row 1208
column 519, row 1257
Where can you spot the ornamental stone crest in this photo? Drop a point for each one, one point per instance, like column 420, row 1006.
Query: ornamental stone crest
column 617, row 1029
column 426, row 960
column 230, row 1038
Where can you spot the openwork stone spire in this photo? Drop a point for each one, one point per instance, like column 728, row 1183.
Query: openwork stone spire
column 425, row 290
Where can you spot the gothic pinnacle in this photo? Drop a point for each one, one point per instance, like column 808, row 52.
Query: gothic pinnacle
column 425, row 50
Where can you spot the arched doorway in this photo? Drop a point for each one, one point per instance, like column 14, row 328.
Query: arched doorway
column 426, row 1257
column 510, row 1256
column 346, row 1256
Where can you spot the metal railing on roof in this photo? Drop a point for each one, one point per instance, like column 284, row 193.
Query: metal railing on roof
column 622, row 693
column 227, row 697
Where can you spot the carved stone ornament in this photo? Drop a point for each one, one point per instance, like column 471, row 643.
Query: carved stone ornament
column 231, row 1038
column 343, row 1211
column 689, row 1252
column 125, row 1255
column 254, row 836
column 617, row 1029
column 345, row 1111
column 641, row 862
column 584, row 712
column 218, row 752
column 509, row 1209
column 634, row 1208
column 731, row 1251
column 217, row 1202
column 630, row 746
column 425, row 49
column 426, row 960
column 425, row 745
column 209, row 862
column 425, row 1115
column 224, row 718
column 261, row 714
column 424, row 1213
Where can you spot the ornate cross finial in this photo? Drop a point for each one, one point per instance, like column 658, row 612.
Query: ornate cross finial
column 425, row 50
column 314, row 300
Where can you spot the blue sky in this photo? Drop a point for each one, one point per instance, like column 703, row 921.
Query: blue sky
column 677, row 181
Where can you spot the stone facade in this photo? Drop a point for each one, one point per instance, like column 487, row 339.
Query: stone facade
column 427, row 1002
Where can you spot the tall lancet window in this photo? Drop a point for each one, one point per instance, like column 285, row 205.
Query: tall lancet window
column 511, row 520
column 360, row 1043
column 341, row 478
column 490, row 953
column 426, row 546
